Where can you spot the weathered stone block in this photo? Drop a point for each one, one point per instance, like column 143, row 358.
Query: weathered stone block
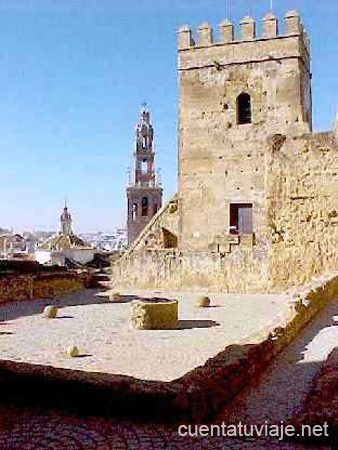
column 50, row 312
column 248, row 28
column 292, row 22
column 204, row 35
column 184, row 37
column 72, row 351
column 154, row 314
column 270, row 26
column 203, row 301
column 115, row 297
column 226, row 31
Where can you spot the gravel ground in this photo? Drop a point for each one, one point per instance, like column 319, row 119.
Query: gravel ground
column 102, row 332
column 278, row 395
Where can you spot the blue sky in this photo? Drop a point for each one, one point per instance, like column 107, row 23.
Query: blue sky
column 73, row 75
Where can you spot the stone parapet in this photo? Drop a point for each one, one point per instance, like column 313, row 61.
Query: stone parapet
column 14, row 287
column 241, row 271
column 292, row 25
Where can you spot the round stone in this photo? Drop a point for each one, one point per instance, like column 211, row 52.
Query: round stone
column 50, row 312
column 72, row 351
column 203, row 301
column 115, row 297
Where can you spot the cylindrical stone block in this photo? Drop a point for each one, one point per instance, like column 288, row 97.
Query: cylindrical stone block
column 151, row 314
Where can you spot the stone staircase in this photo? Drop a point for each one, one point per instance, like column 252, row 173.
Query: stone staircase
column 101, row 280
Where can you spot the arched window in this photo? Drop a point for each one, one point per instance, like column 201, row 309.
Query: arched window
column 155, row 208
column 243, row 108
column 144, row 206
column 134, row 211
column 144, row 165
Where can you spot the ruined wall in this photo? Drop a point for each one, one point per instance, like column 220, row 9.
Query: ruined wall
column 14, row 287
column 302, row 197
column 221, row 161
column 244, row 272
column 239, row 267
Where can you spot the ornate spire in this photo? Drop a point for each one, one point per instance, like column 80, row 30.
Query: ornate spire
column 144, row 154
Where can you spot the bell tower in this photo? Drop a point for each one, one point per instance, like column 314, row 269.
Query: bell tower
column 66, row 222
column 144, row 191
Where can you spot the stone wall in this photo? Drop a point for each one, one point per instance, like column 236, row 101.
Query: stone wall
column 243, row 271
column 14, row 287
column 301, row 221
column 302, row 187
column 54, row 285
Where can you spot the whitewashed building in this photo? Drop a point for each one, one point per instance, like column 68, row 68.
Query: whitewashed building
column 64, row 245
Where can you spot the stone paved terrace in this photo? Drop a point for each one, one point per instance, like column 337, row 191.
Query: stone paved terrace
column 101, row 329
column 31, row 429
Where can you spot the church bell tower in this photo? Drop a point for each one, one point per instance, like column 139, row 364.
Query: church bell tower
column 144, row 192
column 66, row 222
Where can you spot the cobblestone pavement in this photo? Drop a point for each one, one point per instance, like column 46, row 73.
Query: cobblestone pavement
column 282, row 389
column 101, row 330
column 33, row 431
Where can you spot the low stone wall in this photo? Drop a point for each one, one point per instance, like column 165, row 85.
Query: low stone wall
column 14, row 287
column 195, row 397
column 241, row 271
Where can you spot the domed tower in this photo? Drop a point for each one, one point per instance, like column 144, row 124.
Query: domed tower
column 66, row 222
column 144, row 192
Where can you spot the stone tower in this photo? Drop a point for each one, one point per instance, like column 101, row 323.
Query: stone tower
column 144, row 192
column 66, row 222
column 234, row 92
column 256, row 208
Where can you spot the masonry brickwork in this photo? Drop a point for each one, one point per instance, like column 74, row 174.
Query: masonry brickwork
column 14, row 287
column 256, row 201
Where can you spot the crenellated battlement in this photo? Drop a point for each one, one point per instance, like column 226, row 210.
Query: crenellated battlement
column 247, row 32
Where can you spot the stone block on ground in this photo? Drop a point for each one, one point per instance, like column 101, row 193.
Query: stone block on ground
column 203, row 301
column 72, row 351
column 115, row 297
column 154, row 314
column 50, row 312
